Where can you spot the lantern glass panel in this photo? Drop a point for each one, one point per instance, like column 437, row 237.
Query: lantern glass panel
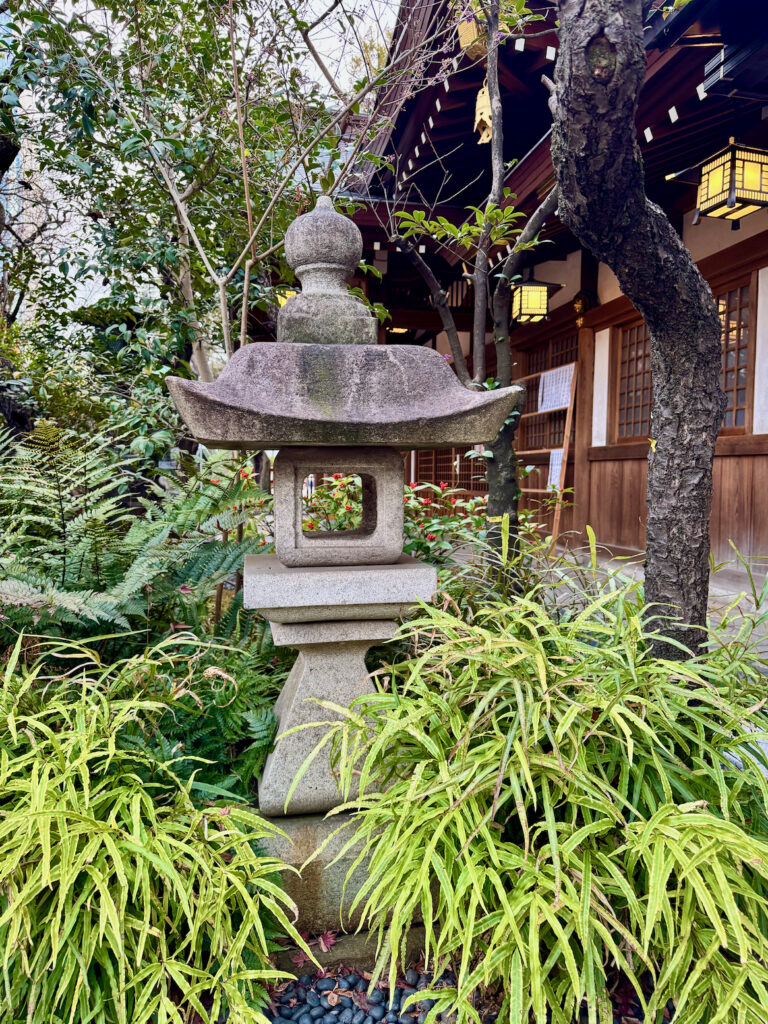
column 530, row 303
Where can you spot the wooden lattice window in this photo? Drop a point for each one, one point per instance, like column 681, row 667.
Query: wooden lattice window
column 633, row 407
column 563, row 350
column 733, row 307
column 451, row 466
column 554, row 352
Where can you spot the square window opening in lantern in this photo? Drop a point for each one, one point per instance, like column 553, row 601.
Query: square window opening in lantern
column 335, row 503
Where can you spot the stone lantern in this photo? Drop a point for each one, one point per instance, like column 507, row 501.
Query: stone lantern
column 332, row 400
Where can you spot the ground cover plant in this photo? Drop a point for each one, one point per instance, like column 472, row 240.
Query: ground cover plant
column 122, row 901
column 568, row 811
column 88, row 541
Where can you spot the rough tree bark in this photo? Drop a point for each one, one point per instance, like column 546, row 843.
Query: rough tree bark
column 601, row 197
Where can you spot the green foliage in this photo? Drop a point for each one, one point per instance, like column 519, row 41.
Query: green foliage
column 500, row 222
column 561, row 806
column 220, row 730
column 88, row 543
column 120, row 901
column 437, row 517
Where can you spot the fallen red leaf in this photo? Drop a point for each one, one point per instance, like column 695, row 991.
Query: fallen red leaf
column 300, row 958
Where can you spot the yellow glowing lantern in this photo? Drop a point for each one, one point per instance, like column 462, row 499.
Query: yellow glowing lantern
column 530, row 301
column 732, row 184
column 472, row 39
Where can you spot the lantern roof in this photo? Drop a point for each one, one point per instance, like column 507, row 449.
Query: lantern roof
column 692, row 175
column 326, row 381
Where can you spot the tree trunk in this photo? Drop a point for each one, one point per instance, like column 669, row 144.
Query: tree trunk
column 199, row 354
column 601, row 197
column 503, row 490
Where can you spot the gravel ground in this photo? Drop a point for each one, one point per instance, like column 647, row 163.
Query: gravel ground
column 341, row 997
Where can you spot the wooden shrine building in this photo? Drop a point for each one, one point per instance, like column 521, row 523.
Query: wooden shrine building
column 706, row 83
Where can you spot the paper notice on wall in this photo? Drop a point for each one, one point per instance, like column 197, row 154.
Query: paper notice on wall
column 555, row 468
column 555, row 388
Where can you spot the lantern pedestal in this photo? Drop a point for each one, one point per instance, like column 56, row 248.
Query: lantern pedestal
column 332, row 615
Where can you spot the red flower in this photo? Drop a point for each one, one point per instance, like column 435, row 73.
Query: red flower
column 405, row 498
column 215, row 480
column 426, row 501
column 443, row 485
column 431, row 536
column 310, row 526
column 414, row 484
column 453, row 501
column 337, row 476
column 348, row 508
column 262, row 542
column 244, row 474
column 184, row 589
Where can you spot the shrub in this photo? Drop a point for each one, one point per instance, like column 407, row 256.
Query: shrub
column 121, row 902
column 437, row 518
column 563, row 807
column 81, row 551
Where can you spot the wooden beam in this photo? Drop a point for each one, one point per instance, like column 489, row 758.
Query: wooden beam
column 583, row 435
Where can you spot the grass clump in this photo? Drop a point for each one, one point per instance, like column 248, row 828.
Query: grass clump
column 563, row 808
column 121, row 900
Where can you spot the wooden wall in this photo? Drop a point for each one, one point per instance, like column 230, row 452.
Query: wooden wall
column 617, row 510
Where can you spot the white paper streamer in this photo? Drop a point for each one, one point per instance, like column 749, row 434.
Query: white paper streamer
column 555, row 388
column 555, row 467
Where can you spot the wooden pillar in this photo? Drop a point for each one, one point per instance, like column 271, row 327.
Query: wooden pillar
column 583, row 434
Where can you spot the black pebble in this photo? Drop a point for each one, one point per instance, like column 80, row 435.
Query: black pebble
column 412, row 977
column 313, row 999
column 346, row 1002
column 325, row 985
column 298, row 1011
column 394, row 1003
column 342, row 983
column 377, row 996
column 324, row 1003
column 391, row 1017
column 305, row 980
column 423, row 982
column 345, row 1017
column 285, row 1012
column 329, row 1018
column 305, row 1019
column 361, row 986
column 368, row 1020
column 353, row 979
column 316, row 1012
column 427, row 1004
column 359, row 1017
column 406, row 1018
column 421, row 1018
column 375, row 1012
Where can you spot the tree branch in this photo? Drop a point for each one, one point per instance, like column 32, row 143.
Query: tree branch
column 440, row 302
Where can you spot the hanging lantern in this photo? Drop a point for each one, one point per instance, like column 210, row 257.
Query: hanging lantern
column 732, row 184
column 483, row 115
column 530, row 301
column 472, row 40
